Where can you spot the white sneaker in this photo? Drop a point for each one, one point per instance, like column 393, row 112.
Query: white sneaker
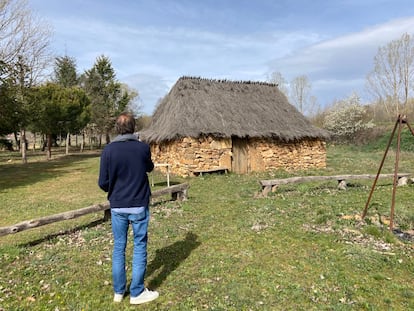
column 146, row 296
column 118, row 297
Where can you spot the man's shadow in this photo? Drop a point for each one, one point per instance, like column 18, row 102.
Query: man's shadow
column 170, row 257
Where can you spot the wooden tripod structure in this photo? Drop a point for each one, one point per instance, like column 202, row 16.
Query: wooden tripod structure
column 399, row 123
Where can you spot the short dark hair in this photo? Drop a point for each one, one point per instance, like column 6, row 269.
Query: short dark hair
column 125, row 123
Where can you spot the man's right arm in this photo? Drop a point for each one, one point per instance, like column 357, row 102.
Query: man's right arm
column 103, row 180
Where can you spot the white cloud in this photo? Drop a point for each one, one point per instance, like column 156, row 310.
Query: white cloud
column 337, row 55
column 151, row 88
column 346, row 59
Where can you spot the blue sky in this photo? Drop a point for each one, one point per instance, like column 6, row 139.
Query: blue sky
column 152, row 43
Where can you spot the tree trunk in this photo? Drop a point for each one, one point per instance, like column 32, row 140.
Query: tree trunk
column 49, row 147
column 43, row 142
column 23, row 145
column 83, row 142
column 34, row 141
column 67, row 143
column 108, row 138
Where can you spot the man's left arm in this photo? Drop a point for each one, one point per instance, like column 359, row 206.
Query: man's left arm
column 150, row 164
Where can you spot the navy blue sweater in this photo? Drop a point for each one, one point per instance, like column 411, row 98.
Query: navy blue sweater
column 123, row 172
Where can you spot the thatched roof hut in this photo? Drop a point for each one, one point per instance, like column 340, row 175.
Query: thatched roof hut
column 196, row 106
column 222, row 110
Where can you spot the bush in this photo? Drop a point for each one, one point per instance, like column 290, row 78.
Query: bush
column 371, row 137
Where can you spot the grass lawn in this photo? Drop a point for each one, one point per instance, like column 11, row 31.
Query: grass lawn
column 301, row 248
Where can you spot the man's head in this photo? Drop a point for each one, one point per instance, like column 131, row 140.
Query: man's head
column 125, row 123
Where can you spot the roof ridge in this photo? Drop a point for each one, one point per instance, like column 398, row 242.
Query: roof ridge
column 227, row 81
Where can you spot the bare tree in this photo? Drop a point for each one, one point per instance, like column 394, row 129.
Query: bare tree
column 24, row 49
column 24, row 36
column 407, row 65
column 300, row 93
column 278, row 79
column 312, row 107
column 391, row 80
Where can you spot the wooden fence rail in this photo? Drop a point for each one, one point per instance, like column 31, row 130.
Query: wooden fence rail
column 178, row 192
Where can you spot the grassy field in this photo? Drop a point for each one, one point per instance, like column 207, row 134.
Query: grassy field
column 301, row 248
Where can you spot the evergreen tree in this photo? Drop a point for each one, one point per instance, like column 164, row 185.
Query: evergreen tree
column 108, row 98
column 65, row 71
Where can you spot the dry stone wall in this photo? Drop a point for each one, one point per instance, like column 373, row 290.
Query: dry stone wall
column 265, row 154
column 189, row 154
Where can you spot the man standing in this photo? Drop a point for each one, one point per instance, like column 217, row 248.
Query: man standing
column 123, row 174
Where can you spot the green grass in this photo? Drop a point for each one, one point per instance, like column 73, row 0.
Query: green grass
column 301, row 248
column 406, row 141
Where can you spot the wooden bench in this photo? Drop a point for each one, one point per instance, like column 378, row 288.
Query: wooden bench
column 178, row 192
column 219, row 170
column 271, row 185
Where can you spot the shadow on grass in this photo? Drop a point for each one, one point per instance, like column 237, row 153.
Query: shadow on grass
column 18, row 174
column 170, row 257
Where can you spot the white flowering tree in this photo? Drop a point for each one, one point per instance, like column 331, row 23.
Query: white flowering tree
column 346, row 118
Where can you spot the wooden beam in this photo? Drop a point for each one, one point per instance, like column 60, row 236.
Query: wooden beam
column 178, row 192
column 173, row 190
column 28, row 224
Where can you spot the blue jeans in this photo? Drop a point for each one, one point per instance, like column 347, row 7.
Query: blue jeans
column 120, row 225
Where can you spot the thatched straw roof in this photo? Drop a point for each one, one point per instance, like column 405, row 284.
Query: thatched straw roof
column 197, row 107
